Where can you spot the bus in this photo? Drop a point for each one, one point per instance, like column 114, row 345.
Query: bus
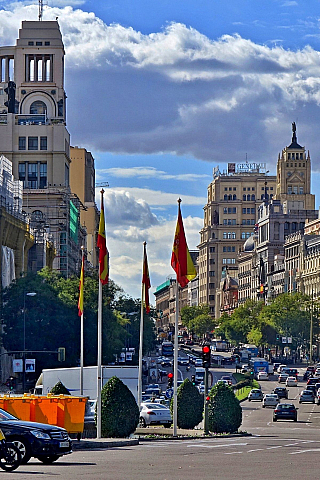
column 219, row 345
column 167, row 349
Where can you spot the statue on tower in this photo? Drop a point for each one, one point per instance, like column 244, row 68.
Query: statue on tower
column 294, row 134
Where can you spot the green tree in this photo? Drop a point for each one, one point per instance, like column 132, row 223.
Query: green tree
column 59, row 389
column 190, row 405
column 119, row 410
column 224, row 410
column 197, row 319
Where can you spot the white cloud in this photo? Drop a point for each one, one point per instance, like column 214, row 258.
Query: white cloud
column 150, row 172
column 289, row 3
column 151, row 197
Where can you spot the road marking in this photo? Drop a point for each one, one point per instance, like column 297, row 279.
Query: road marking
column 255, row 450
column 305, row 451
column 218, row 446
column 276, row 446
column 233, row 453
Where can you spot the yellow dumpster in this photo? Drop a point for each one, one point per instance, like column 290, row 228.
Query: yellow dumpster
column 19, row 406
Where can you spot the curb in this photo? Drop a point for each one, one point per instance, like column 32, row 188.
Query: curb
column 106, row 443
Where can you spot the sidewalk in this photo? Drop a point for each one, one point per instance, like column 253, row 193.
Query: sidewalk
column 94, row 443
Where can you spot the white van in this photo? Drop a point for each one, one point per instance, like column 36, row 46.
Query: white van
column 199, row 377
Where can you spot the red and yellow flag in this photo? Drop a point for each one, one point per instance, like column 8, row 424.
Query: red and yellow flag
column 145, row 280
column 181, row 260
column 103, row 251
column 81, row 284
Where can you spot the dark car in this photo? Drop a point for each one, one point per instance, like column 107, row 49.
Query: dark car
column 286, row 411
column 313, row 381
column 282, row 392
column 45, row 442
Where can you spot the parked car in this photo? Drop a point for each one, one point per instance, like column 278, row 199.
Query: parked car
column 282, row 392
column 263, row 376
column 255, row 394
column 318, row 396
column 285, row 411
column 154, row 414
column 89, row 414
column 270, row 400
column 39, row 440
column 306, row 396
column 292, row 382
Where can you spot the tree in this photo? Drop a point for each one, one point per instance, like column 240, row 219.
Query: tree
column 224, row 410
column 190, row 405
column 60, row 389
column 119, row 410
column 197, row 319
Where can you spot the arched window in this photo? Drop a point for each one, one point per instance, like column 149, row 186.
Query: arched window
column 248, row 197
column 229, row 197
column 38, row 108
column 234, row 197
column 244, row 197
column 253, row 197
column 225, row 197
column 37, row 215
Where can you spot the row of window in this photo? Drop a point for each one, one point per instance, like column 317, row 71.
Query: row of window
column 229, row 221
column 38, row 44
column 294, row 190
column 230, row 189
column 230, row 210
column 248, row 221
column 33, row 143
column 229, row 249
column 252, row 211
column 297, row 156
column 33, row 174
column 228, row 261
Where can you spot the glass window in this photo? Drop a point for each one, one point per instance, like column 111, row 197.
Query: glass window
column 225, row 210
column 30, row 43
column 233, row 235
column 253, row 197
column 32, row 175
column 225, row 197
column 253, row 211
column 289, row 189
column 224, row 249
column 32, row 143
column 243, row 221
column 234, row 197
column 212, row 249
column 233, row 249
column 22, row 172
column 38, row 108
column 301, row 190
column 43, row 143
column 38, row 44
column 225, row 221
column 243, row 235
column 22, row 143
column 244, row 210
column 253, row 221
column 43, row 175
column 229, row 210
column 248, row 197
column 244, row 198
column 295, row 189
column 234, row 210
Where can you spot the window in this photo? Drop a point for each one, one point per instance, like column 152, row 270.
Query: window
column 289, row 189
column 43, row 143
column 32, row 143
column 295, row 189
column 234, row 197
column 244, row 210
column 244, row 221
column 225, row 189
column 234, row 189
column 211, row 286
column 243, row 235
column 22, row 172
column 39, row 44
column 244, row 189
column 229, row 210
column 225, row 197
column 38, row 108
column 32, row 175
column 253, row 211
column 66, row 175
column 244, row 198
column 47, row 44
column 212, row 249
column 253, row 197
column 212, row 261
column 211, row 273
column 225, row 210
column 225, row 221
column 249, row 197
column 22, row 143
column 225, row 235
column 253, row 189
column 234, row 221
column 301, row 190
column 43, row 175
column 233, row 235
column 30, row 43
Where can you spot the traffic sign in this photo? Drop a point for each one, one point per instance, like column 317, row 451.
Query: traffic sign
column 169, row 393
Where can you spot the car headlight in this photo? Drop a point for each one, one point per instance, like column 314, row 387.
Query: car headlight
column 40, row 434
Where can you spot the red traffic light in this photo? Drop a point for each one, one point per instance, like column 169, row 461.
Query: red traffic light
column 208, row 399
column 170, row 375
column 206, row 349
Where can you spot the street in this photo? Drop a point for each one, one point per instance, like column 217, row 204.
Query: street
column 283, row 450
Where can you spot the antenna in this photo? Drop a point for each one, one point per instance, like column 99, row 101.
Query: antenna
column 40, row 10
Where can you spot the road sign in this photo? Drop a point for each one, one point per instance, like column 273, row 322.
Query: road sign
column 169, row 393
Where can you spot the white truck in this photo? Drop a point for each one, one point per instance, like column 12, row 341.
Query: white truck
column 70, row 377
column 199, row 376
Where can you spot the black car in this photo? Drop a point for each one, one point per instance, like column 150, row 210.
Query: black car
column 286, row 411
column 45, row 442
column 282, row 392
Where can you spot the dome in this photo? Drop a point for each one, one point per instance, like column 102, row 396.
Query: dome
column 249, row 245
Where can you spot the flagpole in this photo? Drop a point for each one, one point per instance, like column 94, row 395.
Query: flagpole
column 175, row 365
column 81, row 337
column 141, row 333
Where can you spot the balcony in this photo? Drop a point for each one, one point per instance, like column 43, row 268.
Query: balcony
column 31, row 120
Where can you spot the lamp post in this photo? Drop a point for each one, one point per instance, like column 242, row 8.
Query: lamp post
column 28, row 294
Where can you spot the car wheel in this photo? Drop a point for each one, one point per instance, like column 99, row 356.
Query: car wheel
column 295, row 419
column 249, row 399
column 274, row 419
column 167, row 425
column 23, row 448
column 48, row 459
column 142, row 422
column 263, row 406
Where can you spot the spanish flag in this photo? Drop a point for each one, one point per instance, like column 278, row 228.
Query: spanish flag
column 80, row 301
column 101, row 244
column 181, row 260
column 145, row 280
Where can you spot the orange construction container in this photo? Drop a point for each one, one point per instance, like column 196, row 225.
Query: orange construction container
column 62, row 410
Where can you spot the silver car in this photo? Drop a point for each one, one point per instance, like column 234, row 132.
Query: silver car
column 255, row 394
column 154, row 414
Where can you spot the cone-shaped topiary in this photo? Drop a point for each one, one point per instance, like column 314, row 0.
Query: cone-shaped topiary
column 60, row 389
column 225, row 413
column 119, row 410
column 190, row 405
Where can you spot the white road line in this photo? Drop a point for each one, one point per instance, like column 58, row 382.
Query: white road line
column 218, row 446
column 276, row 446
column 255, row 450
column 233, row 453
column 305, row 451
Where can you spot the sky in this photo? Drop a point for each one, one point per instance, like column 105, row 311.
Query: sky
column 161, row 92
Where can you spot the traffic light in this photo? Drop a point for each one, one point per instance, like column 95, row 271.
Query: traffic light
column 193, row 379
column 61, row 354
column 170, row 380
column 11, row 383
column 10, row 90
column 277, row 337
column 206, row 356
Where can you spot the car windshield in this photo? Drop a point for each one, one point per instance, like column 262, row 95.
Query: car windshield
column 286, row 406
column 6, row 416
column 155, row 406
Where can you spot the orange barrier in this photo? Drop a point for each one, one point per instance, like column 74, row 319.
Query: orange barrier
column 62, row 410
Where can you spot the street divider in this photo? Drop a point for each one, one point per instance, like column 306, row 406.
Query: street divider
column 64, row 411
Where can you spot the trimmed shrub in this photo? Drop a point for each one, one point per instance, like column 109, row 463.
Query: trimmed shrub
column 60, row 389
column 225, row 413
column 190, row 405
column 119, row 410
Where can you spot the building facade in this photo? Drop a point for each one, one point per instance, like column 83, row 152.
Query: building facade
column 34, row 137
column 230, row 215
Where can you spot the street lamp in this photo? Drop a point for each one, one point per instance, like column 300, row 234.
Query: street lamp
column 28, row 294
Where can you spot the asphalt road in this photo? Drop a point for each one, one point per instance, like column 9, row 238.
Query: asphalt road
column 281, row 450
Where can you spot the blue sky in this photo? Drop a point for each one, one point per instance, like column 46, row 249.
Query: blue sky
column 163, row 91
